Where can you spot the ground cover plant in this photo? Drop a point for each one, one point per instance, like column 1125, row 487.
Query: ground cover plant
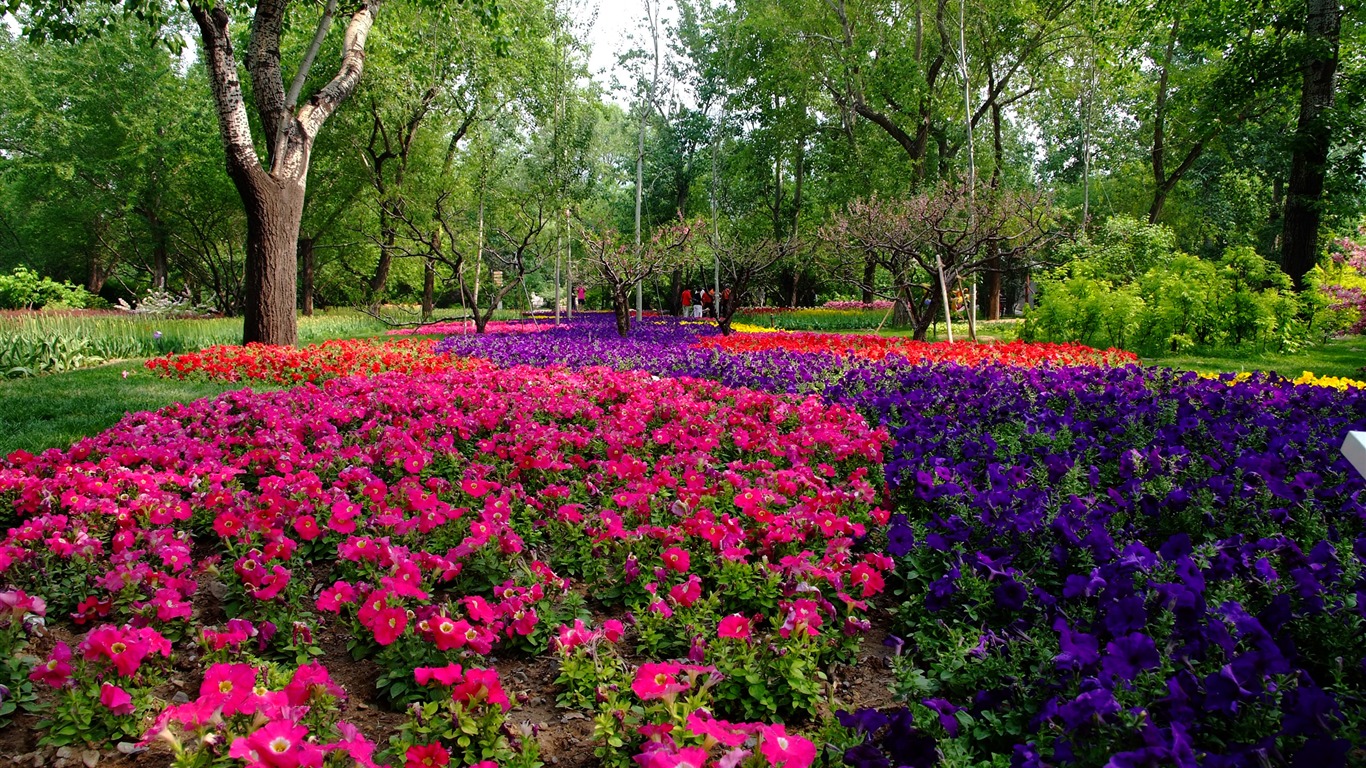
column 292, row 365
column 436, row 519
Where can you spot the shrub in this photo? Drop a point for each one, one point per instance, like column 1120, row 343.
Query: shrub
column 1239, row 301
column 26, row 289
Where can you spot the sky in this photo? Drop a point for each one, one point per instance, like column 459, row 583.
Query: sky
column 613, row 22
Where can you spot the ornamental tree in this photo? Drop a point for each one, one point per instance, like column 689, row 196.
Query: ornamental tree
column 620, row 266
column 956, row 228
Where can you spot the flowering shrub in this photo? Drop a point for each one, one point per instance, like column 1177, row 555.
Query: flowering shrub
column 465, row 723
column 21, row 617
column 104, row 685
column 1343, row 281
column 294, row 365
column 882, row 304
column 664, row 717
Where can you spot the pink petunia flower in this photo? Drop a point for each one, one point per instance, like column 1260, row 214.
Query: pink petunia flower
column 116, row 700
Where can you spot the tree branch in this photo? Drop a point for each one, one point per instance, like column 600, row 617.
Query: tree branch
column 221, row 64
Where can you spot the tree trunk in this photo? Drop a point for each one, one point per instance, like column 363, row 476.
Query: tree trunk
column 306, row 259
column 994, row 288
column 901, row 313
column 994, row 263
column 1313, row 137
column 428, row 289
column 272, row 194
column 869, row 278
column 621, row 307
column 675, row 299
column 160, row 251
column 97, row 276
column 389, row 233
column 275, row 208
column 922, row 325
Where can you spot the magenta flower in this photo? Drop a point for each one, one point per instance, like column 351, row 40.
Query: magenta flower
column 734, row 626
column 655, row 680
column 116, row 700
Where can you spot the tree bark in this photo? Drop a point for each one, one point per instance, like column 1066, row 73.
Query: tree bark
column 1313, row 137
column 273, row 196
column 621, row 307
column 869, row 277
column 428, row 289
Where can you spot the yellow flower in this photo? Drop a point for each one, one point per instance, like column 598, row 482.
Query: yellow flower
column 1336, row 382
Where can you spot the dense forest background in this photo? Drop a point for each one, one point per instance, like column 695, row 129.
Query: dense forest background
column 476, row 140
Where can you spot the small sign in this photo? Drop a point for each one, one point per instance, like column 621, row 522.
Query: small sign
column 1354, row 448
column 498, row 279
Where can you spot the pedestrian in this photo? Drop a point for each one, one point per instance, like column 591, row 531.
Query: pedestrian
column 708, row 302
column 685, row 303
column 697, row 303
column 579, row 297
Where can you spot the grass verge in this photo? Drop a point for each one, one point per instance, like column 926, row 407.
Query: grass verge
column 55, row 411
column 1337, row 357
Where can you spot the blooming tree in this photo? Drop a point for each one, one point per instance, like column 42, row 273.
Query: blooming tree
column 952, row 231
column 621, row 267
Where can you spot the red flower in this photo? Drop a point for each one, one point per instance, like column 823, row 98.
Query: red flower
column 481, row 686
column 676, row 559
column 389, row 625
column 230, row 687
column 426, row 756
column 784, row 750
column 57, row 669
column 735, row 627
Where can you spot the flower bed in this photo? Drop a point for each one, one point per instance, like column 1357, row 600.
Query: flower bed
column 467, row 327
column 961, row 352
column 434, row 520
column 295, row 365
column 1102, row 566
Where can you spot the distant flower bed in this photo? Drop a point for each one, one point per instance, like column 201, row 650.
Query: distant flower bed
column 965, row 353
column 318, row 362
column 1308, row 377
column 463, row 326
column 882, row 304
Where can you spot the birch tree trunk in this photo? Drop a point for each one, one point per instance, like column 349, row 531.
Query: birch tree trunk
column 272, row 192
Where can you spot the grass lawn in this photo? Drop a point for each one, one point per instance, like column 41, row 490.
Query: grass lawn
column 55, row 411
column 1338, row 357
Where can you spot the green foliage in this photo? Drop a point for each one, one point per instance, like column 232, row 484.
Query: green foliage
column 26, row 289
column 1123, row 250
column 1130, row 288
column 816, row 319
